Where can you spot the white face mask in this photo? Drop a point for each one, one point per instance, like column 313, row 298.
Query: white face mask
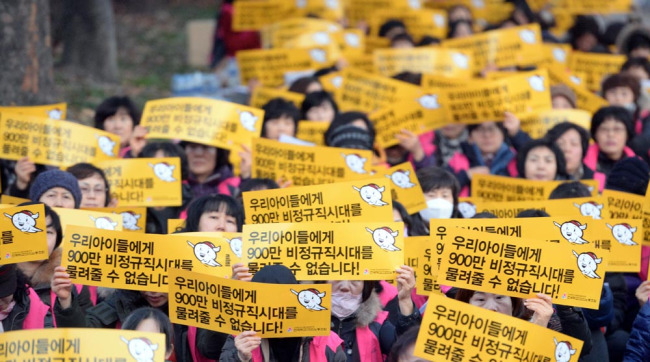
column 437, row 209
column 344, row 304
column 631, row 107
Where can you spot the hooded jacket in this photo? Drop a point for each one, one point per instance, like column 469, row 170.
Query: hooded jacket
column 28, row 313
column 638, row 348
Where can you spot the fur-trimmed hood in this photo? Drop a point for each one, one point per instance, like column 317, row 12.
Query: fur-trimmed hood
column 43, row 273
column 368, row 310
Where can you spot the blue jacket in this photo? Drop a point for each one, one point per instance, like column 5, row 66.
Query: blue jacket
column 638, row 346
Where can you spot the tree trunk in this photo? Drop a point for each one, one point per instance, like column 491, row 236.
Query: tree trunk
column 89, row 43
column 26, row 68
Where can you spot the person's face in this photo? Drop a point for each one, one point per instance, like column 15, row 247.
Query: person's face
column 571, row 145
column 93, row 191
column 493, row 302
column 487, row 137
column 155, row 299
column 397, row 30
column 586, row 42
column 217, row 221
column 402, row 44
column 453, row 130
column 619, row 96
column 201, row 159
column 120, row 124
column 638, row 72
column 459, row 13
column 560, row 102
column 275, row 127
column 640, row 53
column 540, row 164
column 323, row 112
column 58, row 197
column 313, row 87
column 462, row 30
column 611, row 136
column 441, row 193
column 51, row 235
column 354, row 287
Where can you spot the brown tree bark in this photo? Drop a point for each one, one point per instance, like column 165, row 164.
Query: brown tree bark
column 26, row 76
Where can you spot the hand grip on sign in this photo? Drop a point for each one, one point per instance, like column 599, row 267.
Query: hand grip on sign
column 240, row 272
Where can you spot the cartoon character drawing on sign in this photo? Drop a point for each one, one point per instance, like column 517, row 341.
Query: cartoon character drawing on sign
column 24, row 221
column 130, row 220
column 467, row 209
column 318, row 55
column 372, row 194
column 588, row 264
column 590, row 208
column 332, row 4
column 310, row 299
column 206, row 253
column 572, row 231
column 623, row 233
column 321, row 37
column 141, row 349
column 247, row 120
column 355, row 162
column 106, row 145
column 401, row 179
column 235, row 246
column 527, row 36
column 460, row 59
column 559, row 54
column 352, row 40
column 55, row 113
column 563, row 351
column 384, row 238
column 163, row 171
column 536, row 82
column 429, row 101
column 104, row 223
column 301, row 3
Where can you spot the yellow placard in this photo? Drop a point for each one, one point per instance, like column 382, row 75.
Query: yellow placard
column 595, row 6
column 592, row 68
column 537, row 125
column 367, row 92
column 312, row 131
column 201, row 120
column 595, row 207
column 521, row 267
column 620, row 238
column 355, row 201
column 135, row 261
column 175, row 225
column 585, row 99
column 623, row 205
column 268, row 66
column 255, row 14
column 501, row 188
column 556, row 55
column 453, row 328
column 521, row 94
column 427, row 60
column 521, row 45
column 306, row 165
column 54, row 142
column 133, row 218
column 262, row 95
column 363, row 10
column 440, row 82
column 12, row 200
column 81, row 344
column 24, row 235
column 422, row 253
column 88, row 218
column 419, row 22
column 327, row 251
column 405, row 186
column 352, row 43
column 234, row 306
column 325, row 9
column 144, row 181
column 279, row 33
column 53, row 111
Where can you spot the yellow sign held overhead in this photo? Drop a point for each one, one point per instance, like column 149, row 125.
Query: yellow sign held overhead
column 623, row 205
column 537, row 125
column 419, row 22
column 262, row 95
column 312, row 131
column 133, row 218
column 88, row 218
column 502, row 188
column 593, row 68
column 53, row 111
column 426, row 60
column 12, row 200
column 405, row 186
column 24, row 235
column 255, row 14
column 422, row 253
column 268, row 66
column 585, row 99
column 595, row 207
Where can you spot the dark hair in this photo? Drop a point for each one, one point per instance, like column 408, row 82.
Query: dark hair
column 111, row 105
column 390, row 25
column 409, row 77
column 211, row 203
column 637, row 40
column 584, row 24
column 402, row 36
column 315, row 99
column 414, row 224
column 622, row 80
column 84, row 170
column 137, row 316
column 619, row 114
column 170, row 150
column 560, row 162
column 253, row 184
column 402, row 344
column 570, row 190
column 56, row 221
column 560, row 129
column 300, row 85
column 518, row 310
column 280, row 107
column 434, row 178
column 325, row 71
column 453, row 26
column 428, row 40
column 532, row 213
column 221, row 158
column 637, row 62
column 472, row 127
column 344, row 119
column 484, row 215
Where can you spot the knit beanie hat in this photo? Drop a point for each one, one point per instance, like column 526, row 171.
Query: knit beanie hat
column 8, row 281
column 630, row 175
column 562, row 90
column 349, row 136
column 55, row 178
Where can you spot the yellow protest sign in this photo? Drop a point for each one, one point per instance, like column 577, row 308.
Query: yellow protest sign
column 234, row 241
column 175, row 225
column 327, row 251
column 366, row 92
column 405, row 186
column 356, row 201
column 502, row 188
column 454, row 330
column 364, row 10
column 537, row 125
column 24, row 235
column 507, row 47
column 556, row 55
column 54, row 142
column 595, row 207
column 268, row 66
column 440, row 61
column 325, row 9
column 437, row 81
column 585, row 99
column 312, row 131
column 137, row 261
column 419, row 22
column 144, row 181
column 233, row 306
column 81, row 344
column 305, row 165
column 595, row 6
column 88, row 218
column 521, row 267
column 262, row 95
column 364, row 62
column 12, row 200
column 133, row 218
column 53, row 111
column 623, row 205
column 422, row 253
column 592, row 68
column 523, row 93
column 352, row 43
column 279, row 33
column 255, row 14
column 200, row 120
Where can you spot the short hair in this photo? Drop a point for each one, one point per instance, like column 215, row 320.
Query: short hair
column 345, row 118
column 211, row 203
column 619, row 114
column 415, row 225
column 409, row 77
column 402, row 344
column 622, row 80
column 434, row 178
column 300, row 85
column 484, row 215
column 390, row 25
column 315, row 99
column 170, row 150
column 518, row 311
column 84, row 170
column 560, row 162
column 637, row 62
column 532, row 213
column 428, row 40
column 472, row 127
column 560, row 129
column 570, row 190
column 137, row 316
column 453, row 26
column 253, row 184
column 280, row 107
column 111, row 105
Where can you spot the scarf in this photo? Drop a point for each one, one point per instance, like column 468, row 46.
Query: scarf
column 499, row 163
column 449, row 147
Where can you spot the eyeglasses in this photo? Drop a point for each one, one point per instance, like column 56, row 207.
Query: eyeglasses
column 90, row 190
column 197, row 148
column 614, row 130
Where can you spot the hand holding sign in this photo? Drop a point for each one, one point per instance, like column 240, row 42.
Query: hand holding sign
column 542, row 308
column 62, row 286
column 245, row 343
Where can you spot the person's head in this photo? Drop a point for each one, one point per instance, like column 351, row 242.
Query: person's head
column 563, row 97
column 637, row 67
column 319, row 106
column 166, row 149
column 635, row 41
column 155, row 299
column 441, row 189
column 532, row 213
column 347, row 296
column 622, row 90
column 459, row 12
column 8, row 285
column 412, row 226
column 629, row 175
column 280, row 118
column 56, row 188
column 402, row 41
column 409, row 77
column 306, row 85
column 541, row 160
column 428, row 40
column 351, row 130
column 570, row 190
column 95, row 190
column 214, row 213
column 152, row 320
column 402, row 350
column 392, row 28
column 484, row 215
column 204, row 160
column 573, row 140
column 256, row 184
column 117, row 115
column 495, row 302
column 460, row 29
column 453, row 130
column 487, row 136
column 585, row 34
column 611, row 128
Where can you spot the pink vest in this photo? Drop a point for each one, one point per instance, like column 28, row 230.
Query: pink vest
column 591, row 161
column 317, row 348
column 387, row 294
column 37, row 311
column 191, row 339
column 367, row 342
